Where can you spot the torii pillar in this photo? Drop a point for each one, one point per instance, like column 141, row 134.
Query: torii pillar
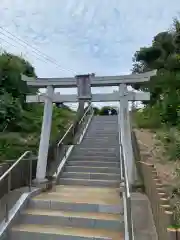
column 84, row 90
column 45, row 137
column 125, row 131
column 84, row 94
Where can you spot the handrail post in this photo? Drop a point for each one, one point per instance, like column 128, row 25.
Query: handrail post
column 30, row 174
column 129, row 218
column 7, row 197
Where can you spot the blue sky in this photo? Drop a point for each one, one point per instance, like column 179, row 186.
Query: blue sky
column 83, row 36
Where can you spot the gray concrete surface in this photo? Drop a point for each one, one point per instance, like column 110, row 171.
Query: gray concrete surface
column 142, row 218
column 12, row 199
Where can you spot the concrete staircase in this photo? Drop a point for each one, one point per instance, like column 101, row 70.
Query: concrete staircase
column 86, row 202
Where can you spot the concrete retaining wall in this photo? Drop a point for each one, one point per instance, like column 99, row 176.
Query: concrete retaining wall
column 161, row 209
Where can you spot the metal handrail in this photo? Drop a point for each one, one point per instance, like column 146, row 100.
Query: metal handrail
column 68, row 131
column 127, row 197
column 71, row 126
column 126, row 194
column 8, row 175
column 124, row 170
column 14, row 165
column 87, row 110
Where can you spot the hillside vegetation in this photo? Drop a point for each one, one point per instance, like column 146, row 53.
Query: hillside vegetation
column 20, row 123
column 158, row 123
column 163, row 109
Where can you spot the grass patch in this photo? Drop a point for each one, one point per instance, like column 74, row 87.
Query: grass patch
column 148, row 118
column 170, row 139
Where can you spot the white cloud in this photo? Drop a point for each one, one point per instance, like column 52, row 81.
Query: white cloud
column 84, row 36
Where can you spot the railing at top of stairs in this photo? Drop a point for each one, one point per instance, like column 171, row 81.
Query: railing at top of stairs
column 22, row 167
column 75, row 131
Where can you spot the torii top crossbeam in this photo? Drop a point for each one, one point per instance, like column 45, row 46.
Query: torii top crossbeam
column 95, row 81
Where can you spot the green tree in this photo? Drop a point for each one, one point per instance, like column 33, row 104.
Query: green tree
column 96, row 110
column 164, row 56
column 107, row 110
column 12, row 89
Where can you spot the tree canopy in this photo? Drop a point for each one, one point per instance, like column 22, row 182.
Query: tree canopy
column 163, row 55
column 107, row 110
column 13, row 89
column 20, row 122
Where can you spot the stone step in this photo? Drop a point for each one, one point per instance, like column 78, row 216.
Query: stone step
column 95, row 149
column 93, row 163
column 103, row 127
column 101, row 134
column 72, row 219
column 104, row 121
column 111, row 122
column 83, row 202
column 98, row 145
column 85, row 144
column 94, row 158
column 86, row 196
column 92, row 169
column 96, row 141
column 80, row 206
column 85, row 192
column 46, row 232
column 89, row 182
column 100, row 139
column 86, row 175
column 87, row 153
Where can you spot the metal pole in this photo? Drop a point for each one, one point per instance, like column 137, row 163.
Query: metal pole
column 30, row 174
column 7, row 198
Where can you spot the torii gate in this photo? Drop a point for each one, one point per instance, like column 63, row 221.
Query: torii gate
column 84, row 84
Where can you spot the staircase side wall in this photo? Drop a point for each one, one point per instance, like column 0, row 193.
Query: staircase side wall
column 161, row 210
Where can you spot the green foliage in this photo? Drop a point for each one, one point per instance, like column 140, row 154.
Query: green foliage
column 9, row 107
column 105, row 110
column 25, row 135
column 163, row 55
column 96, row 111
column 170, row 140
column 11, row 68
column 148, row 118
column 13, row 89
column 163, row 109
column 13, row 144
column 20, row 123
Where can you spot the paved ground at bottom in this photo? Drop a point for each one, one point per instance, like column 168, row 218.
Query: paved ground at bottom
column 142, row 218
